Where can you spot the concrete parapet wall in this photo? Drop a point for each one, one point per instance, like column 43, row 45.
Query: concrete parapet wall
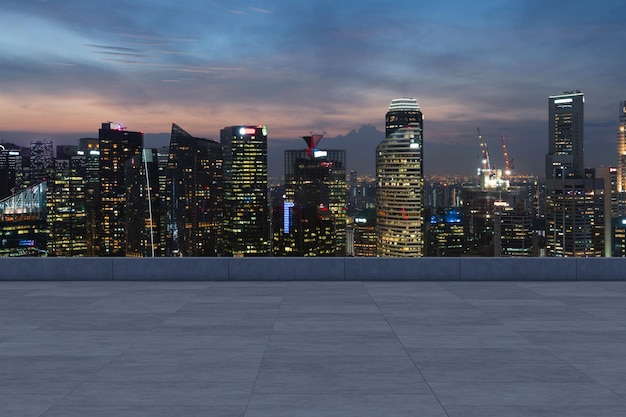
column 312, row 269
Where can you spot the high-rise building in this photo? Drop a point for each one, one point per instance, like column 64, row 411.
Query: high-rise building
column 402, row 113
column 89, row 149
column 66, row 204
column 23, row 222
column 445, row 233
column 565, row 136
column 400, row 193
column 194, row 183
column 41, row 160
column 621, row 149
column 311, row 218
column 364, row 232
column 143, row 206
column 116, row 146
column 246, row 205
column 574, row 197
column 10, row 169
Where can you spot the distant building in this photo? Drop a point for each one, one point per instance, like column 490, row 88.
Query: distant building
column 445, row 234
column 41, row 161
column 246, row 205
column 574, row 197
column 565, row 156
column 66, row 204
column 364, row 229
column 400, row 192
column 311, row 218
column 89, row 149
column 143, row 206
column 621, row 149
column 10, row 169
column 23, row 223
column 116, row 146
column 194, row 195
column 402, row 113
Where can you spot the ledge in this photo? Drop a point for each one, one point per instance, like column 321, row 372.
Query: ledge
column 313, row 269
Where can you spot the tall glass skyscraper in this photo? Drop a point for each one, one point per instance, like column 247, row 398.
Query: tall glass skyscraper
column 403, row 112
column 246, row 203
column 194, row 193
column 117, row 145
column 400, row 190
column 565, row 136
column 621, row 149
column 574, row 196
column 311, row 221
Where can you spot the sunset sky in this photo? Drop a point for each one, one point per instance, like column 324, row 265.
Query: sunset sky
column 322, row 65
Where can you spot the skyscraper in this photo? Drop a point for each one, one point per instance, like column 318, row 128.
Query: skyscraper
column 117, row 145
column 194, row 194
column 66, row 204
column 621, row 149
column 246, row 206
column 311, row 219
column 403, row 112
column 143, row 206
column 565, row 136
column 41, row 161
column 400, row 193
column 574, row 198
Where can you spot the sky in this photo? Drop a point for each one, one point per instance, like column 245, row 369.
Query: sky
column 328, row 66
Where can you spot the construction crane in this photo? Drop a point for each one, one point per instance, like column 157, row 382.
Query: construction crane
column 507, row 164
column 484, row 152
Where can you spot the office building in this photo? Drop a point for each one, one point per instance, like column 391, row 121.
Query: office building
column 246, row 205
column 89, row 149
column 313, row 209
column 23, row 223
column 364, row 233
column 66, row 204
column 400, row 193
column 402, row 113
column 445, row 234
column 116, row 146
column 574, row 197
column 621, row 149
column 10, row 169
column 41, row 161
column 565, row 156
column 194, row 184
column 143, row 206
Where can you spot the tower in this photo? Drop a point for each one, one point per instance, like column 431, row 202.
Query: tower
column 400, row 193
column 246, row 206
column 194, row 195
column 574, row 196
column 116, row 146
column 311, row 221
column 403, row 112
column 565, row 136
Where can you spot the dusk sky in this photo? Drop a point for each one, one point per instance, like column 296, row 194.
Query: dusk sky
column 321, row 65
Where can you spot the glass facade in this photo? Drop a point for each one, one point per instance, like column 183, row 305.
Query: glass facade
column 314, row 224
column 194, row 195
column 116, row 146
column 246, row 193
column 400, row 194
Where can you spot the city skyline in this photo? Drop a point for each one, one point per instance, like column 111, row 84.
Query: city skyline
column 331, row 68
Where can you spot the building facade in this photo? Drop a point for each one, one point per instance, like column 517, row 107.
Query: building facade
column 194, row 196
column 400, row 194
column 246, row 193
column 313, row 209
column 116, row 146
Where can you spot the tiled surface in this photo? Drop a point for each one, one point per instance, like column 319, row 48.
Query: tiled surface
column 244, row 349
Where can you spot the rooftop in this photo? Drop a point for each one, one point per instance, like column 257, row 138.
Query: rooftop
column 449, row 349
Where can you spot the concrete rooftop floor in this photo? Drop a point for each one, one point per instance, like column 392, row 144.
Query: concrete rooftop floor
column 392, row 349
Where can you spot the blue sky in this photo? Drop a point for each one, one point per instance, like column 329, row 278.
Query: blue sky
column 301, row 66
